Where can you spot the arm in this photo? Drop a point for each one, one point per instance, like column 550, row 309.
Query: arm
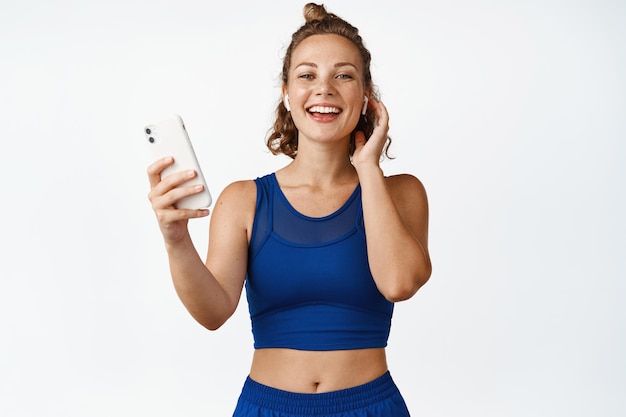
column 395, row 212
column 210, row 291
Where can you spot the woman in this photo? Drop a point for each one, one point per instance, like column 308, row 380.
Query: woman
column 324, row 246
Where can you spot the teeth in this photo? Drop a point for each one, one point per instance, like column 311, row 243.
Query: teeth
column 320, row 109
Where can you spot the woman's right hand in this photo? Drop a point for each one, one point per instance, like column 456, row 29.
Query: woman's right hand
column 164, row 194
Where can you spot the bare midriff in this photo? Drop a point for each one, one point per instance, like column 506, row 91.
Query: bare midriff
column 312, row 372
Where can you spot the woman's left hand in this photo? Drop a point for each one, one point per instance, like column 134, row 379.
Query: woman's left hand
column 369, row 151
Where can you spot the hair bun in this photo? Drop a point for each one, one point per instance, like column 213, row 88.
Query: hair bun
column 313, row 11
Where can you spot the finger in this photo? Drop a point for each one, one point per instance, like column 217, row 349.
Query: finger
column 174, row 194
column 177, row 178
column 194, row 214
column 381, row 114
column 359, row 139
column 172, row 181
column 382, row 118
column 168, row 219
column 155, row 169
column 169, row 216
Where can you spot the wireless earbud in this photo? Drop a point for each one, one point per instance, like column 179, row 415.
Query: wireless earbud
column 366, row 100
column 286, row 102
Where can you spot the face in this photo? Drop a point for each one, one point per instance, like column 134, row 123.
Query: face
column 326, row 88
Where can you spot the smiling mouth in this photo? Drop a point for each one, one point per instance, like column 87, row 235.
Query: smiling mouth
column 324, row 110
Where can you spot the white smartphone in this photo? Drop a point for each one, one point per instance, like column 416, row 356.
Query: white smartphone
column 169, row 137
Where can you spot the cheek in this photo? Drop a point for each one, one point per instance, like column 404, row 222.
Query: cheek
column 297, row 94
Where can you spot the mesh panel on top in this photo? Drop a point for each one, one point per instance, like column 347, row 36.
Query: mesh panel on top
column 297, row 228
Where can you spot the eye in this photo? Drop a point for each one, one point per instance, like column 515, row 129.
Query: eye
column 344, row 76
column 306, row 76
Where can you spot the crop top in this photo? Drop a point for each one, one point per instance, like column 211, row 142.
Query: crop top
column 309, row 286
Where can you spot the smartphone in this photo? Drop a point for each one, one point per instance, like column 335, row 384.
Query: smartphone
column 169, row 137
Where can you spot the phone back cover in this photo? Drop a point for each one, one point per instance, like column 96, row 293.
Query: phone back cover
column 169, row 138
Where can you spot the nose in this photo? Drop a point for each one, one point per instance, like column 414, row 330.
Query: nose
column 325, row 87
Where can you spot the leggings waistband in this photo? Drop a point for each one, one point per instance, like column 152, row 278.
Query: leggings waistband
column 319, row 404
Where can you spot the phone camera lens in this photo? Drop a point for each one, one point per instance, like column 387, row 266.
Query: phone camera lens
column 148, row 131
column 151, row 139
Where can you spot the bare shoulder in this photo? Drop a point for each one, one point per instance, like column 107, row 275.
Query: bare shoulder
column 237, row 201
column 406, row 188
column 238, row 192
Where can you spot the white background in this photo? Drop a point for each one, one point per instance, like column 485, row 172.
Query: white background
column 511, row 112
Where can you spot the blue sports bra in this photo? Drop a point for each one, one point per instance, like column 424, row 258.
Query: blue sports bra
column 309, row 285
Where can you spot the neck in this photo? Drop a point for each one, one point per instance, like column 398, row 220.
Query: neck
column 321, row 166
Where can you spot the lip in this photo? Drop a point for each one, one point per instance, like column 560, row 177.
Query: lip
column 338, row 111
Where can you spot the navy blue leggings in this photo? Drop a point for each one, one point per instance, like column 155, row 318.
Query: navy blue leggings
column 377, row 398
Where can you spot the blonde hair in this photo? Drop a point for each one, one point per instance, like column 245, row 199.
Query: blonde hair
column 283, row 137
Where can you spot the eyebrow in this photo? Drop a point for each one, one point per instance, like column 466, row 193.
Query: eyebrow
column 337, row 65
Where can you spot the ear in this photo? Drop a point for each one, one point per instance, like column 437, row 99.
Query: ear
column 365, row 101
column 286, row 102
